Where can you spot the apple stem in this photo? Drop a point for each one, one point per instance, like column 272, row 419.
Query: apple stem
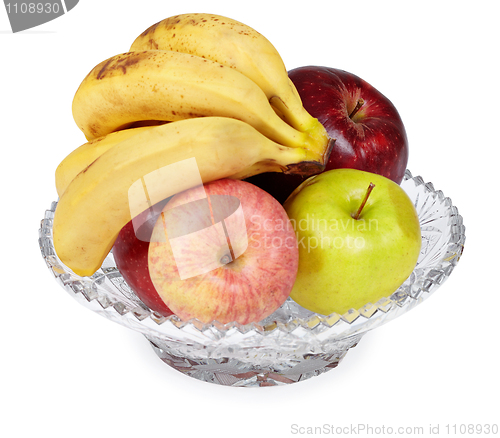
column 368, row 191
column 227, row 258
column 359, row 104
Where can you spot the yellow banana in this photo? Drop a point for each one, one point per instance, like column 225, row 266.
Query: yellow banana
column 84, row 155
column 146, row 168
column 170, row 86
column 238, row 46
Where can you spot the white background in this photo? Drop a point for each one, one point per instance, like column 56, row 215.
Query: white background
column 66, row 371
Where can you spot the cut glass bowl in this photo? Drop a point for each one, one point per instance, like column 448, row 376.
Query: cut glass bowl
column 292, row 344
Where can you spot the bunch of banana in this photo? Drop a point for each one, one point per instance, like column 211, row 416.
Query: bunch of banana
column 238, row 46
column 233, row 111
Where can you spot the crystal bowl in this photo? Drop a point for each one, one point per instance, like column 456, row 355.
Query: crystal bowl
column 292, row 344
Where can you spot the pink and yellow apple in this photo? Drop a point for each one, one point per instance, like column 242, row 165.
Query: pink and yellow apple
column 225, row 251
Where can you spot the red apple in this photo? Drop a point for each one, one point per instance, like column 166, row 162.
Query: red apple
column 227, row 254
column 368, row 131
column 130, row 252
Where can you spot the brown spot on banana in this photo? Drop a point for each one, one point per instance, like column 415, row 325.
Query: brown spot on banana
column 120, row 63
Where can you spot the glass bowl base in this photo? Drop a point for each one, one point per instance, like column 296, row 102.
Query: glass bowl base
column 254, row 372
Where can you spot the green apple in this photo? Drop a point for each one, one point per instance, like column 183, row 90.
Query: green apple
column 358, row 236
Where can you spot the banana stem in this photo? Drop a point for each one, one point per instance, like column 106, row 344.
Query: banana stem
column 313, row 133
column 297, row 117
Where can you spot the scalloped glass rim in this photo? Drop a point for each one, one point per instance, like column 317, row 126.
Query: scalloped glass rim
column 106, row 292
